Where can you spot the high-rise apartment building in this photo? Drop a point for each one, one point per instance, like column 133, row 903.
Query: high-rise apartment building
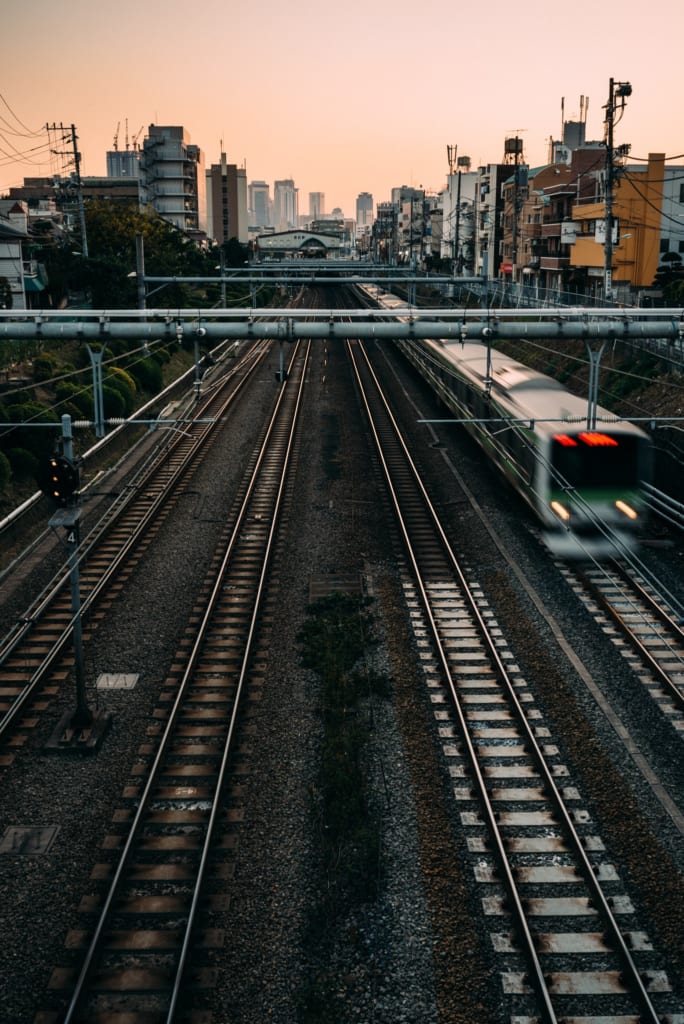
column 172, row 178
column 316, row 205
column 123, row 163
column 259, row 204
column 285, row 204
column 227, row 202
column 364, row 211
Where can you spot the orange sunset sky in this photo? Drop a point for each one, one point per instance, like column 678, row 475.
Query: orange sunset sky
column 345, row 97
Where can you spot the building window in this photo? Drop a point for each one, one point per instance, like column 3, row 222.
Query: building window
column 681, row 193
column 664, row 244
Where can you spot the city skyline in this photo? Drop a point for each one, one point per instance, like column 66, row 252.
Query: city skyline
column 361, row 103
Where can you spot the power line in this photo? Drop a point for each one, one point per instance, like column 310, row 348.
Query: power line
column 30, row 133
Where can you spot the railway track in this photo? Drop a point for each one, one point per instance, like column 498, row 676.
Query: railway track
column 38, row 653
column 563, row 926
column 643, row 625
column 150, row 945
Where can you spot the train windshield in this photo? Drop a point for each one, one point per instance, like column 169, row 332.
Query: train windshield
column 596, row 459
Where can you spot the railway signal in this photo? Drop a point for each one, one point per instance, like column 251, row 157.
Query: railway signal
column 61, row 480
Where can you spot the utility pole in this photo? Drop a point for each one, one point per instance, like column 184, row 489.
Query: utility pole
column 513, row 147
column 79, row 192
column 79, row 183
column 463, row 161
column 140, row 270
column 618, row 91
column 451, row 157
column 516, row 191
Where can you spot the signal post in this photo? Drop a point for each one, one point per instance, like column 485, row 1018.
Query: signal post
column 81, row 729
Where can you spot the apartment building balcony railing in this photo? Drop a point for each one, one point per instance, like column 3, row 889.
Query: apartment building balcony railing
column 551, row 230
column 554, row 262
column 165, row 174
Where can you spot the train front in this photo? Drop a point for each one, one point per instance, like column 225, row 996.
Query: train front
column 594, row 490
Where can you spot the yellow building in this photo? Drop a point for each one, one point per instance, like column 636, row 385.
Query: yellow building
column 637, row 210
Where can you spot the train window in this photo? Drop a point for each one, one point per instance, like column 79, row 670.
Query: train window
column 522, row 452
column 596, row 459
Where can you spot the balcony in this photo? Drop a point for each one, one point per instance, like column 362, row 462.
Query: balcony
column 554, row 262
column 552, row 230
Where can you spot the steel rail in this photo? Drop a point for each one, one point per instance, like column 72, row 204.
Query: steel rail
column 597, row 587
column 138, row 822
column 539, row 982
column 180, row 449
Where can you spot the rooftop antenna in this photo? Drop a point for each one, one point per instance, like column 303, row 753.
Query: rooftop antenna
column 562, row 135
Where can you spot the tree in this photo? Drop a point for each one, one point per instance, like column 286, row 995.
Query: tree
column 670, row 279
column 108, row 274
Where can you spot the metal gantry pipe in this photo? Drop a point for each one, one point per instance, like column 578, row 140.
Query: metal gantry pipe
column 447, row 325
column 301, row 275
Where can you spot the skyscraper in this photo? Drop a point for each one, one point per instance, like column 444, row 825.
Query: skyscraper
column 364, row 210
column 285, row 204
column 316, row 205
column 259, row 204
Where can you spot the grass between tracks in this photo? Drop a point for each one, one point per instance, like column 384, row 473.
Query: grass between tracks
column 336, row 641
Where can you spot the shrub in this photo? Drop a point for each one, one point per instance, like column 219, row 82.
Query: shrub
column 5, row 471
column 44, row 368
column 76, row 396
column 148, row 375
column 24, row 464
column 161, row 355
column 33, row 440
column 122, row 383
column 69, row 409
column 114, row 403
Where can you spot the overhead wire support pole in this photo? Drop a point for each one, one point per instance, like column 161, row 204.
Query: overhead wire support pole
column 96, row 359
column 620, row 91
column 140, row 270
column 592, row 398
column 81, row 729
column 79, row 192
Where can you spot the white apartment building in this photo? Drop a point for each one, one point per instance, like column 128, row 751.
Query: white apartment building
column 172, row 178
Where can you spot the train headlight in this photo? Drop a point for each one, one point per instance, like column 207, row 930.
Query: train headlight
column 623, row 507
column 561, row 511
